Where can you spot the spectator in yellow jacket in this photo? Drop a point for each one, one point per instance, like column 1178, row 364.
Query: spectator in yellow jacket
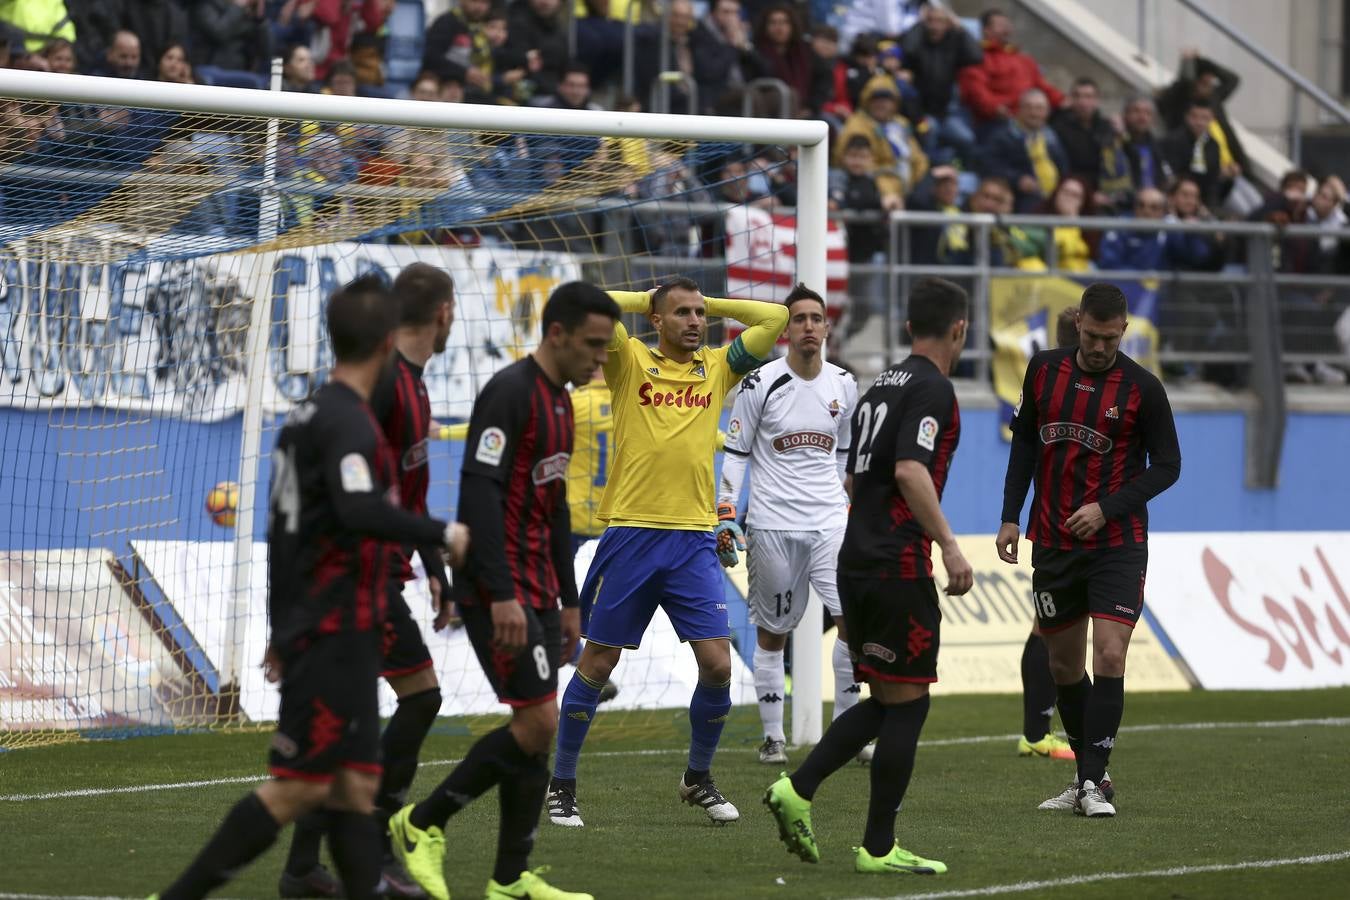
column 900, row 162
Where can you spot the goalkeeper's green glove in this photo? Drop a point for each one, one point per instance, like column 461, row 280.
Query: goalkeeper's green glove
column 728, row 534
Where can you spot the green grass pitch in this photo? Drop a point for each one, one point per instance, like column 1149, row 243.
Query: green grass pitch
column 1189, row 796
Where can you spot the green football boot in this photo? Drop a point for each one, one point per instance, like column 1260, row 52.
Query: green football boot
column 531, row 886
column 898, row 860
column 421, row 852
column 793, row 815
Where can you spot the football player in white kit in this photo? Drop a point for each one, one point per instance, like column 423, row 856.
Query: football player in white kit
column 790, row 424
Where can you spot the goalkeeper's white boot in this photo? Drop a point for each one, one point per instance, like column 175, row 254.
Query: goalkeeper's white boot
column 706, row 795
column 562, row 804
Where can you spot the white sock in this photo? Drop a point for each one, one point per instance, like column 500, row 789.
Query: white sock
column 846, row 690
column 770, row 688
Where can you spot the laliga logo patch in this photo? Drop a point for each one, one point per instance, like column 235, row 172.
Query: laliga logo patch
column 355, row 474
column 491, row 446
column 734, row 428
column 928, row 429
column 1094, row 440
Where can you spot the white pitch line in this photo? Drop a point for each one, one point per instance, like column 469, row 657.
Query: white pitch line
column 668, row 751
column 990, row 891
column 250, row 779
column 1072, row 880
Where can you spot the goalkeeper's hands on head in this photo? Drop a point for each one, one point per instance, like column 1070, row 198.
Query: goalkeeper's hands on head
column 728, row 534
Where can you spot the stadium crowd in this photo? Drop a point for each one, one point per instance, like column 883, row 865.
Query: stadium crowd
column 924, row 115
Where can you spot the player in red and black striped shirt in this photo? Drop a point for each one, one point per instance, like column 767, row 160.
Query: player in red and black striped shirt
column 513, row 497
column 905, row 431
column 1095, row 431
column 425, row 296
column 333, row 511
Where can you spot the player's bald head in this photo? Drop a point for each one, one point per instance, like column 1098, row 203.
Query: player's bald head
column 361, row 316
column 675, row 285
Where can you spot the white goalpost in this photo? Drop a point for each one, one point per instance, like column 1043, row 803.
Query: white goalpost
column 809, row 137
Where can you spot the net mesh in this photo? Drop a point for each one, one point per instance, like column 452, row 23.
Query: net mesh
column 135, row 246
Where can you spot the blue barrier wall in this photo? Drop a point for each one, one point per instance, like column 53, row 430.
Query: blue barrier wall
column 63, row 477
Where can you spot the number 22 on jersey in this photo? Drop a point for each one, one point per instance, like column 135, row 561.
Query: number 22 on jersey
column 869, row 426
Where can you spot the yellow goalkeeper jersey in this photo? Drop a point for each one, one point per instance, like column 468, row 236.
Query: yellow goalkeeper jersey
column 592, row 453
column 666, row 415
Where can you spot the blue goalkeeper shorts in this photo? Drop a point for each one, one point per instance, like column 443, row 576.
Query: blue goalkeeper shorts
column 635, row 570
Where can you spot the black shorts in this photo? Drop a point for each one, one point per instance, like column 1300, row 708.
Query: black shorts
column 330, row 709
column 529, row 676
column 402, row 646
column 893, row 627
column 1104, row 584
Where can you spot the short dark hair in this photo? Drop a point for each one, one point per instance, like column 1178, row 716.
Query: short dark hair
column 828, row 32
column 1084, row 81
column 286, row 55
column 1104, row 302
column 421, row 288
column 864, row 45
column 858, row 141
column 681, row 283
column 996, row 180
column 361, row 314
column 571, row 303
column 1066, row 328
column 989, row 14
column 575, row 68
column 1199, row 103
column 1181, row 180
column 935, row 305
column 341, row 67
column 1292, row 176
column 802, row 292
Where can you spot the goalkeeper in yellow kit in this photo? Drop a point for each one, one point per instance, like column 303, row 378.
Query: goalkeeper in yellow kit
column 664, row 545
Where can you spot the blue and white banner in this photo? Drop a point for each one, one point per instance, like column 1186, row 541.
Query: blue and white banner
column 172, row 336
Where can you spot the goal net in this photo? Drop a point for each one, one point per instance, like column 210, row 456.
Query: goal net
column 165, row 255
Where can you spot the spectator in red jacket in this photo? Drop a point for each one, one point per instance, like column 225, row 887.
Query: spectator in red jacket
column 342, row 20
column 991, row 88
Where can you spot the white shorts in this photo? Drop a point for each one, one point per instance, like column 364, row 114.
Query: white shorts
column 781, row 565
